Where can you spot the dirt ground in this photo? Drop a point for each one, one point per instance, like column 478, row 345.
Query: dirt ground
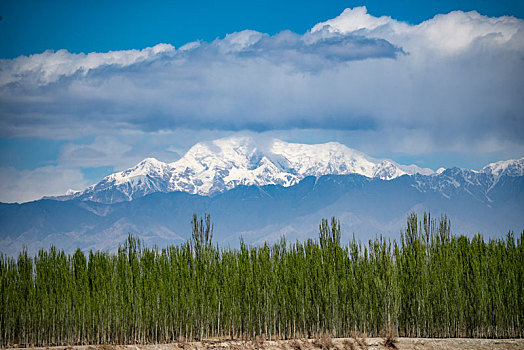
column 354, row 343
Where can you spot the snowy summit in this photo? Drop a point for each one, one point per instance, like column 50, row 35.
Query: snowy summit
column 220, row 165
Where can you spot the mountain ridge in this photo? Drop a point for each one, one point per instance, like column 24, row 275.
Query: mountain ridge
column 262, row 192
column 216, row 166
column 366, row 206
column 213, row 167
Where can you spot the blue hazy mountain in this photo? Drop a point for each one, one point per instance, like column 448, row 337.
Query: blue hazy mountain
column 490, row 202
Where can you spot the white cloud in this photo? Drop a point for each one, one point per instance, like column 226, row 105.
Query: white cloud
column 50, row 66
column 352, row 19
column 239, row 41
column 451, row 33
column 455, row 77
column 27, row 185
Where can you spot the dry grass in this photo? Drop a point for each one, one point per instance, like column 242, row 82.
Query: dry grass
column 355, row 342
column 259, row 342
column 183, row 345
column 106, row 347
column 324, row 342
column 360, row 339
column 349, row 344
column 390, row 337
column 296, row 345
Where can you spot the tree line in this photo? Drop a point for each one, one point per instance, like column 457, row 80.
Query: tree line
column 430, row 283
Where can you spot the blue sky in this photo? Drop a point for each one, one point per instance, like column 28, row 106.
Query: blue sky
column 29, row 27
column 405, row 80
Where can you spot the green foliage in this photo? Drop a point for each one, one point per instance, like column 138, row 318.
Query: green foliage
column 430, row 284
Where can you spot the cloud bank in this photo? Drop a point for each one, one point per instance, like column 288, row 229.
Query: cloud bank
column 459, row 70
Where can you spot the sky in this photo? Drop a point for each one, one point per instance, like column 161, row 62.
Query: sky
column 89, row 88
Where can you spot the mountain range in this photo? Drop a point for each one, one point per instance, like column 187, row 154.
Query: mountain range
column 213, row 167
column 262, row 190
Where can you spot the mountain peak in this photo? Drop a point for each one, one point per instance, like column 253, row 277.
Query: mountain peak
column 511, row 167
column 219, row 165
column 150, row 160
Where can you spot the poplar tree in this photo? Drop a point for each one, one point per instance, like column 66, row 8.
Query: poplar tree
column 430, row 283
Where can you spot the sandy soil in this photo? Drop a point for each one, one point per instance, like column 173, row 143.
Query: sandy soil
column 355, row 343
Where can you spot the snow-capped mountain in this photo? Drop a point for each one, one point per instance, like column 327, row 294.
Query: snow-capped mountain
column 478, row 184
column 366, row 206
column 512, row 167
column 312, row 182
column 213, row 167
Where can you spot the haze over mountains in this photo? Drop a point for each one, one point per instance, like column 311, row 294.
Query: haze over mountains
column 261, row 190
